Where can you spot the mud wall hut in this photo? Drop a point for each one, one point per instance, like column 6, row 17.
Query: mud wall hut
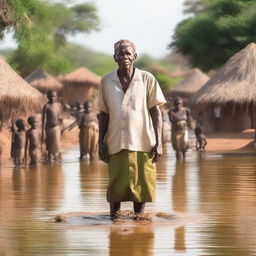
column 187, row 87
column 233, row 90
column 78, row 86
column 43, row 81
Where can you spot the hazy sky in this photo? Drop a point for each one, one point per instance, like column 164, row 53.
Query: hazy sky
column 148, row 23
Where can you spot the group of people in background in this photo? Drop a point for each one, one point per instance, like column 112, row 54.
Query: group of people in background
column 45, row 143
column 30, row 143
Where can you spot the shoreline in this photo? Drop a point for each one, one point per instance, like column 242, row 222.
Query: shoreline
column 218, row 143
column 230, row 143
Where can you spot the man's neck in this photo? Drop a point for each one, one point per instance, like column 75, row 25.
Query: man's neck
column 127, row 72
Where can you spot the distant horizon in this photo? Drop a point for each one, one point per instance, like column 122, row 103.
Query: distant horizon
column 159, row 18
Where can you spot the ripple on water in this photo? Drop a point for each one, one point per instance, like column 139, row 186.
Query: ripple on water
column 124, row 217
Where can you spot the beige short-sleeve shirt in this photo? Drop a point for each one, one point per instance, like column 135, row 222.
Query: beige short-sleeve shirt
column 130, row 124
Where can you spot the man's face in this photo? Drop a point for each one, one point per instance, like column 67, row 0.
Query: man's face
column 125, row 57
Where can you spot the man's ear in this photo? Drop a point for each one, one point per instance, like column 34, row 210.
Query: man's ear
column 135, row 56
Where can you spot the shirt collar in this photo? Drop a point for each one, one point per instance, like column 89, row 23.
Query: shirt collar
column 136, row 76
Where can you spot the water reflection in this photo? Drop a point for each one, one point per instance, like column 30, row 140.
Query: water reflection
column 137, row 241
column 179, row 201
column 213, row 198
column 179, row 187
column 219, row 185
column 180, row 245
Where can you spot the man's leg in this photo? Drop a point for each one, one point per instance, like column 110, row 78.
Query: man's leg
column 139, row 208
column 114, row 208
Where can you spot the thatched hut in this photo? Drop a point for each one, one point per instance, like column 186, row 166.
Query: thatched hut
column 192, row 83
column 43, row 81
column 17, row 97
column 233, row 90
column 78, row 85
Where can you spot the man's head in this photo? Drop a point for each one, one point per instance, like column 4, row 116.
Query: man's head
column 52, row 96
column 32, row 121
column 178, row 103
column 20, row 124
column 87, row 106
column 124, row 54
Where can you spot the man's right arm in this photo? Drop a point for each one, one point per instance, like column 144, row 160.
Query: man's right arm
column 103, row 127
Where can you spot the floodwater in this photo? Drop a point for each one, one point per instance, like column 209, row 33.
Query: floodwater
column 204, row 206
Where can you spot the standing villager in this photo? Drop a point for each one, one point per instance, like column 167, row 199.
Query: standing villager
column 217, row 118
column 89, row 132
column 200, row 119
column 201, row 141
column 130, row 126
column 51, row 126
column 180, row 119
column 77, row 115
column 33, row 141
column 87, row 122
column 18, row 143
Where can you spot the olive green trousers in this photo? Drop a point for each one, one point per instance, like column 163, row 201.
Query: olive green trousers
column 132, row 177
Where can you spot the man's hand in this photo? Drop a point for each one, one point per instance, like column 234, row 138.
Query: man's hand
column 156, row 152
column 103, row 152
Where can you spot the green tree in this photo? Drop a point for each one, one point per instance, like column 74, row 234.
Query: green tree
column 166, row 82
column 194, row 6
column 41, row 30
column 97, row 62
column 212, row 36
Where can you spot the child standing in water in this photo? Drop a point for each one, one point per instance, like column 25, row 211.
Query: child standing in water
column 89, row 132
column 33, row 141
column 18, row 143
column 201, row 141
column 52, row 125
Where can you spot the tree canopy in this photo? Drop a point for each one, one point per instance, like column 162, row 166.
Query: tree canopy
column 215, row 33
column 41, row 29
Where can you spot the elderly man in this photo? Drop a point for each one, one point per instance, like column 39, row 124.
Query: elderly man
column 130, row 126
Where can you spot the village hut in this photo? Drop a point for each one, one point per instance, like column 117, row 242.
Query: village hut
column 17, row 97
column 43, row 81
column 232, row 92
column 192, row 83
column 78, row 85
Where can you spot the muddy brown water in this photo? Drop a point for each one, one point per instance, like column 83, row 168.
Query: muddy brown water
column 205, row 206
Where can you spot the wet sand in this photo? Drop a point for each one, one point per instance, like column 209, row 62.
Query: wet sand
column 233, row 142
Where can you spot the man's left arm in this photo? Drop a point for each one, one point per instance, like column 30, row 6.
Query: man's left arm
column 156, row 116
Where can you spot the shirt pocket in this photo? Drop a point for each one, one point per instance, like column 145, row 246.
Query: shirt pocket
column 135, row 102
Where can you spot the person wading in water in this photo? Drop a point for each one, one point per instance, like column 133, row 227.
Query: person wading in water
column 130, row 126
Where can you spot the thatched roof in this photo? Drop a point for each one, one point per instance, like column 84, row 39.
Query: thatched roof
column 81, row 76
column 192, row 83
column 42, row 81
column 17, row 97
column 179, row 73
column 234, row 82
